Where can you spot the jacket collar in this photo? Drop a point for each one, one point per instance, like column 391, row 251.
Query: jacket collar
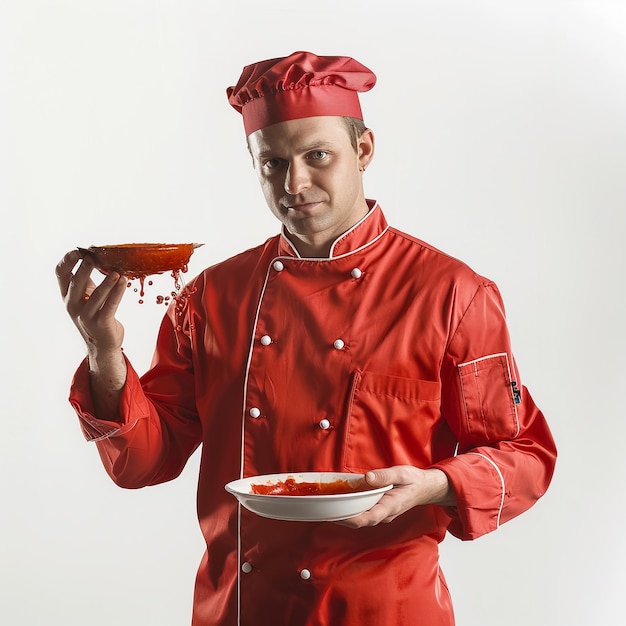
column 363, row 233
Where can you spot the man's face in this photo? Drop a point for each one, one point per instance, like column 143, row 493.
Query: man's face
column 311, row 176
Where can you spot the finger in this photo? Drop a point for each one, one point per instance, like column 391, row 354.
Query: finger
column 393, row 503
column 381, row 477
column 64, row 269
column 111, row 304
column 381, row 512
column 362, row 521
column 80, row 284
column 95, row 299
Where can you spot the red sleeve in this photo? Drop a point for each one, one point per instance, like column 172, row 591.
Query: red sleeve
column 506, row 454
column 158, row 427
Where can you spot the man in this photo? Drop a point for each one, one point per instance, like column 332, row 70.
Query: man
column 341, row 344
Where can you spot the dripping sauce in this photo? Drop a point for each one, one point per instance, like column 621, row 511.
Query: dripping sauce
column 137, row 261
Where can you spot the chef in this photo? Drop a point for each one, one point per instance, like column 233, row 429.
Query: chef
column 340, row 344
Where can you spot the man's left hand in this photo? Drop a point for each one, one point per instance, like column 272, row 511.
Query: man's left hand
column 411, row 487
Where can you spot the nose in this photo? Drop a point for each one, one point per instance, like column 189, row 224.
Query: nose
column 297, row 179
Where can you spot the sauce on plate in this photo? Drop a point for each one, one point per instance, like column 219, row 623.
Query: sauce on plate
column 290, row 487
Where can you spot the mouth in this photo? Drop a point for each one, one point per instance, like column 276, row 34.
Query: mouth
column 303, row 207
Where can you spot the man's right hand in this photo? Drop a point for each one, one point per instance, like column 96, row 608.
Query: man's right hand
column 92, row 309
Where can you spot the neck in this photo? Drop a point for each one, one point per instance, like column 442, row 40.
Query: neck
column 318, row 244
column 309, row 249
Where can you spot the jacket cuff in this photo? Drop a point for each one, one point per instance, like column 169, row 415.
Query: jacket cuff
column 81, row 400
column 479, row 487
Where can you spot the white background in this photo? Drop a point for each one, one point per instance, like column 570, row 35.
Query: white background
column 501, row 139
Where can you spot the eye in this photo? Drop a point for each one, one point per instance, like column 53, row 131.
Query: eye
column 271, row 163
column 319, row 155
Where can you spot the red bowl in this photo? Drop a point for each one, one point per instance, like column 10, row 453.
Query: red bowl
column 137, row 260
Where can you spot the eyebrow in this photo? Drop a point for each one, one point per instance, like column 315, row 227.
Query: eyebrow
column 309, row 147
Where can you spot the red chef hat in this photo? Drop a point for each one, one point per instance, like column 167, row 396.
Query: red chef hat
column 300, row 85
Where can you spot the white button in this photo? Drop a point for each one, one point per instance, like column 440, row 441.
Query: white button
column 305, row 574
column 278, row 266
column 324, row 424
column 266, row 340
column 356, row 273
column 254, row 412
column 246, row 567
column 339, row 344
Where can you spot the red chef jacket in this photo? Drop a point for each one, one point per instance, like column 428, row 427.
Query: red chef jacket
column 387, row 352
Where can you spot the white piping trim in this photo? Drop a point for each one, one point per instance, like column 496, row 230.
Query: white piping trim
column 243, row 431
column 247, row 374
column 366, row 216
column 501, row 483
column 334, row 258
column 330, row 256
column 110, row 433
column 295, row 250
column 484, row 358
column 238, row 564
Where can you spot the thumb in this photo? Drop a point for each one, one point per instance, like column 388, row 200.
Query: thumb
column 379, row 478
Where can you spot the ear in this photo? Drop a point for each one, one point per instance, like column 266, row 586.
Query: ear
column 365, row 148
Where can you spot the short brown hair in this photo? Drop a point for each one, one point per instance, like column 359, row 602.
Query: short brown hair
column 355, row 128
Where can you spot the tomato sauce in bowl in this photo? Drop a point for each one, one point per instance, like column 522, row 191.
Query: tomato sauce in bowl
column 139, row 260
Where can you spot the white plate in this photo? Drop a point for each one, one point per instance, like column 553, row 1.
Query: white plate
column 306, row 508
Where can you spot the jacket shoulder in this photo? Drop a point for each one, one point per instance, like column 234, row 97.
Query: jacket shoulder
column 436, row 262
column 242, row 264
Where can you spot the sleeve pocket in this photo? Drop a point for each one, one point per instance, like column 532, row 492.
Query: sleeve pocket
column 487, row 390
